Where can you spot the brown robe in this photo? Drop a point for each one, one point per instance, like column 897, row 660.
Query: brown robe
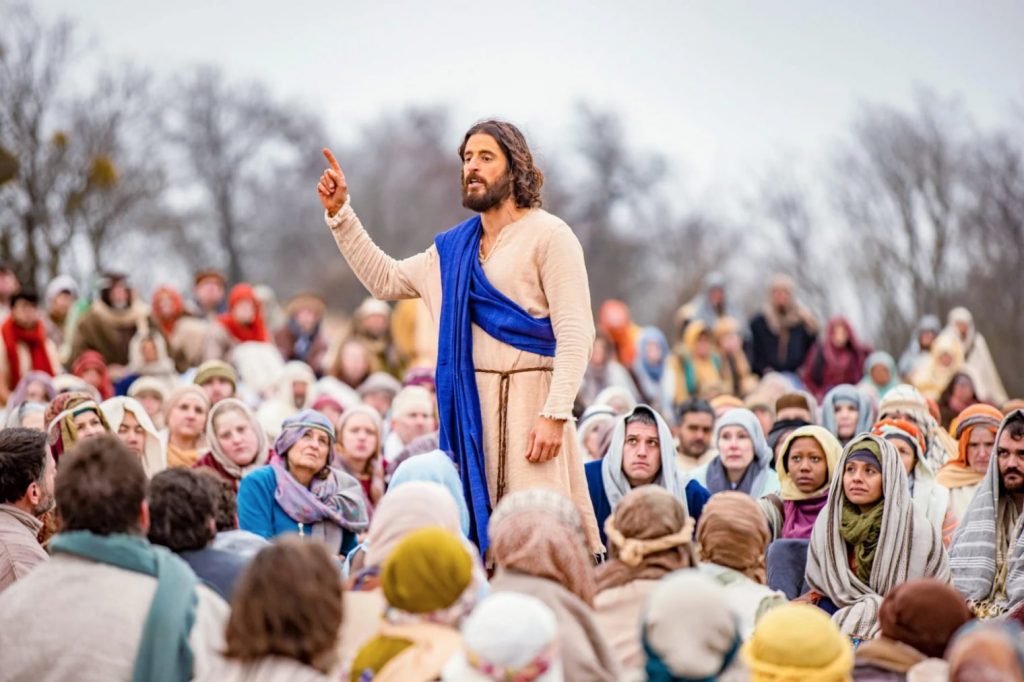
column 538, row 263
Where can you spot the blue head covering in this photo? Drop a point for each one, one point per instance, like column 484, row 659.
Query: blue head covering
column 648, row 335
column 434, row 467
column 295, row 427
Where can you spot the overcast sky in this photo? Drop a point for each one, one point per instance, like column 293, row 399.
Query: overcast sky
column 727, row 89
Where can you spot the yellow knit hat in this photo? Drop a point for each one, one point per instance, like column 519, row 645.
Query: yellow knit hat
column 427, row 571
column 798, row 642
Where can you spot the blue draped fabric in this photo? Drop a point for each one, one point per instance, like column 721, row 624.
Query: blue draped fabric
column 467, row 298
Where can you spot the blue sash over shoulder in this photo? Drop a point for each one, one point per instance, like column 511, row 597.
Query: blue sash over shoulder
column 467, row 298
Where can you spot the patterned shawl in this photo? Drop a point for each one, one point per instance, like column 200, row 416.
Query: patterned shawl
column 909, row 546
column 981, row 543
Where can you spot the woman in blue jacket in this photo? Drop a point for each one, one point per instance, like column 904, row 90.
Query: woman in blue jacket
column 300, row 493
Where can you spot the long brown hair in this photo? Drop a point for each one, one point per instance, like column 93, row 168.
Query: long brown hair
column 288, row 603
column 527, row 179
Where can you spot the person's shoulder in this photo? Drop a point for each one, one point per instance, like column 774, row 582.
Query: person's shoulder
column 260, row 478
column 695, row 489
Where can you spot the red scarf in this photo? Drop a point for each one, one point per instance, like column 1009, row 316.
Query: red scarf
column 255, row 330
column 35, row 339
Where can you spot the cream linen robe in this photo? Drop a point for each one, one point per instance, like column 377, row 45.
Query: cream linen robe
column 538, row 263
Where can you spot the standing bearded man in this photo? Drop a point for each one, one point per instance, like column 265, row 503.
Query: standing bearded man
column 508, row 292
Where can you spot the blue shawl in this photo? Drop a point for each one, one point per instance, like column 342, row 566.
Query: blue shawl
column 467, row 298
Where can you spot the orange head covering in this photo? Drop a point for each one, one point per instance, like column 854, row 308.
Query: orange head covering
column 615, row 320
column 908, row 427
column 255, row 330
column 958, row 472
column 165, row 320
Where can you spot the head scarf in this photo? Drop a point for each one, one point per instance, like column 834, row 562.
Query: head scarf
column 20, row 393
column 688, row 630
column 616, row 485
column 435, row 467
column 846, row 393
column 509, row 636
column 923, row 613
column 908, row 546
column 993, row 648
column 615, row 394
column 295, row 427
column 409, row 507
column 958, row 472
column 262, row 444
column 431, row 584
column 930, row 498
column 906, row 399
column 881, row 358
column 933, row 377
column 375, row 418
column 800, row 509
column 62, row 434
column 650, row 534
column 148, row 384
column 734, row 533
column 977, row 555
column 754, row 478
column 594, row 417
column 90, row 359
column 154, row 457
column 256, row 330
column 649, row 374
column 798, row 642
column 166, row 322
column 961, row 314
column 539, row 533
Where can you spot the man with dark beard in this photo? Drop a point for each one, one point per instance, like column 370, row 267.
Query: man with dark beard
column 26, row 493
column 505, row 288
column 986, row 554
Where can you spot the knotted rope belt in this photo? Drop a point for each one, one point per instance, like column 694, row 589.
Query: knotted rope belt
column 503, row 388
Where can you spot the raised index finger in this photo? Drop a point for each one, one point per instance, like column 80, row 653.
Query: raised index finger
column 331, row 160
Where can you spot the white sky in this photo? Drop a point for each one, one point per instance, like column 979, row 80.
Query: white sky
column 726, row 89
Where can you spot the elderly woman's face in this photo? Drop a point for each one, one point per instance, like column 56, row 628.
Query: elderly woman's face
column 311, row 451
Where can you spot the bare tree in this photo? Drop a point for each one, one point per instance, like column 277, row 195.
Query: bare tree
column 231, row 141
column 901, row 187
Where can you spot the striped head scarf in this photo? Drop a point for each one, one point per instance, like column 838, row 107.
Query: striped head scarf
column 908, row 546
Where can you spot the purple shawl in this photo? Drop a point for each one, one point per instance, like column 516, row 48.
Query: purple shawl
column 798, row 517
column 337, row 499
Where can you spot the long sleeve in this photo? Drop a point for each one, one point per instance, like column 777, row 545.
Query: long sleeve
column 384, row 277
column 563, row 275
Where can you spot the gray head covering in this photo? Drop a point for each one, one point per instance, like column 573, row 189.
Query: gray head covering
column 616, row 485
column 849, row 394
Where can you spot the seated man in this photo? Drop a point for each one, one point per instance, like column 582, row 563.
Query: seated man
column 218, row 380
column 26, row 493
column 696, row 420
column 642, row 452
column 108, row 605
column 979, row 557
column 183, row 518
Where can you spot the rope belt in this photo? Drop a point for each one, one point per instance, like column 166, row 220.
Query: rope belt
column 503, row 386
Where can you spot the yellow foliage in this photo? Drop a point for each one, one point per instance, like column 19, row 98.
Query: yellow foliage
column 103, row 173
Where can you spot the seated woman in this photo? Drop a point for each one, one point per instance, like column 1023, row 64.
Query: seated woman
column 650, row 535
column 743, row 462
column 185, row 416
column 733, row 536
column 539, row 546
column 402, row 510
column 129, row 420
column 286, row 614
column 72, row 417
column 805, row 466
column 238, row 445
column 975, row 432
column 931, row 499
column 689, row 631
column 846, row 411
column 431, row 584
column 300, row 493
column 870, row 537
column 358, row 451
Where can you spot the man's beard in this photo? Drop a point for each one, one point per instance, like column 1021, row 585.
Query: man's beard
column 491, row 196
column 45, row 505
column 1018, row 488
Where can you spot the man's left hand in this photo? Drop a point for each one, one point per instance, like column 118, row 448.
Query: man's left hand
column 545, row 440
